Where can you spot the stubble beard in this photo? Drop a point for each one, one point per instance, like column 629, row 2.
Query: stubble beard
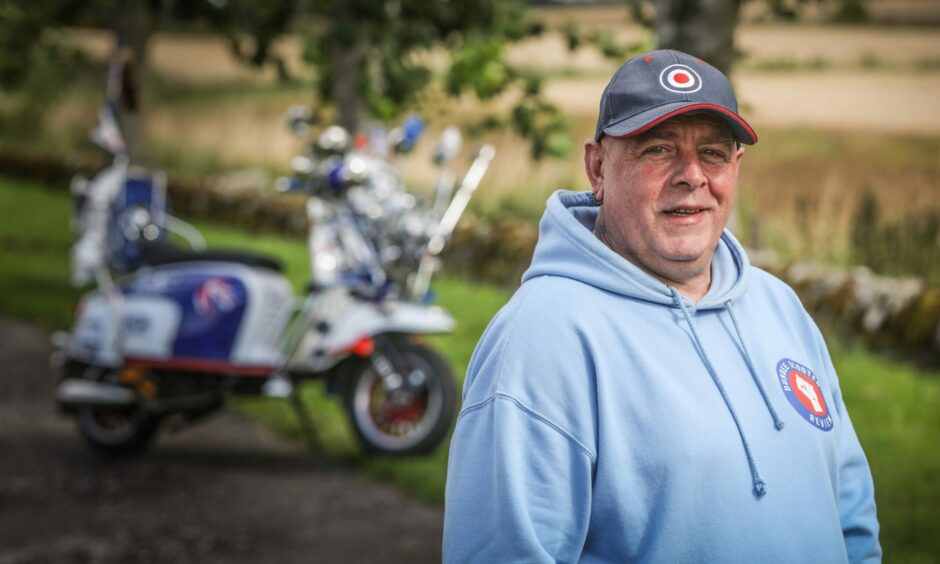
column 684, row 273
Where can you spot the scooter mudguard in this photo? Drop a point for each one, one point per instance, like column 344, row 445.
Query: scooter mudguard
column 365, row 319
column 352, row 320
column 208, row 317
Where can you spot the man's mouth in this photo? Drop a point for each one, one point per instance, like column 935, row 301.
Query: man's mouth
column 684, row 211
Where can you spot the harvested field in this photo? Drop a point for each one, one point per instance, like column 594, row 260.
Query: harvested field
column 875, row 102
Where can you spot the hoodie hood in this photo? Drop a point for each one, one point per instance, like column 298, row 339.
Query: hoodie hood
column 568, row 247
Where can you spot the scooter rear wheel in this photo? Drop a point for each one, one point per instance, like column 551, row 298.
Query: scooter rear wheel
column 413, row 421
column 117, row 431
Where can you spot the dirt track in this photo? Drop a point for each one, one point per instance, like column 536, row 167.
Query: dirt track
column 223, row 492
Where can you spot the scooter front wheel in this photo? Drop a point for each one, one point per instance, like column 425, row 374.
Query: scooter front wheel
column 412, row 418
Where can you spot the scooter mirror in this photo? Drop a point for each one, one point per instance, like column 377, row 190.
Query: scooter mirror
column 448, row 146
column 334, row 139
column 79, row 185
column 137, row 221
column 302, row 166
column 298, row 119
column 404, row 137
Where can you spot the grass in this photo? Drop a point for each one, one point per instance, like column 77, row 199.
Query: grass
column 896, row 413
column 35, row 242
column 895, row 407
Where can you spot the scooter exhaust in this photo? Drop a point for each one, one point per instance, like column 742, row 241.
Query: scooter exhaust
column 84, row 393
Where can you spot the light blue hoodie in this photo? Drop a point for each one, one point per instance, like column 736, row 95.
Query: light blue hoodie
column 608, row 419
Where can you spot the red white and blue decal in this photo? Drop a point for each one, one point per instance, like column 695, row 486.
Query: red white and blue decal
column 804, row 394
column 212, row 308
column 215, row 296
column 680, row 79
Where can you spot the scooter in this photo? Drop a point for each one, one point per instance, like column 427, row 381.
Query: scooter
column 172, row 332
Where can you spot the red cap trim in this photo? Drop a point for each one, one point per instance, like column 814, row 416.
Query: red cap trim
column 673, row 113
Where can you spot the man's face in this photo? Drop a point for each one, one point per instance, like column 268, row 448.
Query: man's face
column 667, row 194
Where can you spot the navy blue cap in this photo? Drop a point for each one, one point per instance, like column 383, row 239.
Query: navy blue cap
column 653, row 87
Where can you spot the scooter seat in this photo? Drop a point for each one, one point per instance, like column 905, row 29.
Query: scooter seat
column 159, row 253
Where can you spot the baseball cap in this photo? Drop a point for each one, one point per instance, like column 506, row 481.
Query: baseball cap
column 653, row 87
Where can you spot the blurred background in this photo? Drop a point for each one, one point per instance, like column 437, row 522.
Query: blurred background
column 843, row 94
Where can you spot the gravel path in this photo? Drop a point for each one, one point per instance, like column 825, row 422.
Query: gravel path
column 224, row 491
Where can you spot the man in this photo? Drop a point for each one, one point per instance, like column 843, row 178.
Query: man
column 647, row 395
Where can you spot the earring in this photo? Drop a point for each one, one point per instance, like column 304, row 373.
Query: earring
column 594, row 199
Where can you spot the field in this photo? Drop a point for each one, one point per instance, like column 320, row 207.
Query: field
column 848, row 117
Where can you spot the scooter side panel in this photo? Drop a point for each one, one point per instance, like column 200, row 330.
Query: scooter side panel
column 211, row 302
column 94, row 335
column 269, row 308
column 150, row 325
column 148, row 331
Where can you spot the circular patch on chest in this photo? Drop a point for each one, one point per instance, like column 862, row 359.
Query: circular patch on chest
column 802, row 389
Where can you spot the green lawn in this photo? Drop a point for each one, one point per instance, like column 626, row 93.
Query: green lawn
column 895, row 407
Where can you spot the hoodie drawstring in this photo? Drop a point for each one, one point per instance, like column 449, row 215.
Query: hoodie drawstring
column 778, row 423
column 760, row 487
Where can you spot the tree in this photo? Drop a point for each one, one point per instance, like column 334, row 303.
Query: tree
column 366, row 53
column 35, row 66
column 705, row 28
column 373, row 57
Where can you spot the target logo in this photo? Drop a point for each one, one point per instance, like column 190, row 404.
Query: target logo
column 802, row 389
column 680, row 79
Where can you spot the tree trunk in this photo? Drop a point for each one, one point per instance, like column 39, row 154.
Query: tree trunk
column 347, row 42
column 703, row 28
column 347, row 87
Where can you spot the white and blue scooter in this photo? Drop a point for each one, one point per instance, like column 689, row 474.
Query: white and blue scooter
column 170, row 332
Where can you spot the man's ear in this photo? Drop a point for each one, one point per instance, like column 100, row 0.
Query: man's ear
column 738, row 155
column 593, row 159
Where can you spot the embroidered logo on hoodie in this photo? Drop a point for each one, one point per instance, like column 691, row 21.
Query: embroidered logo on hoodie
column 802, row 390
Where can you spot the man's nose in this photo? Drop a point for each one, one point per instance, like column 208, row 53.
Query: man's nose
column 689, row 173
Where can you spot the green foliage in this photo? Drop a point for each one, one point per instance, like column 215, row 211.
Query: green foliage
column 545, row 125
column 21, row 24
column 33, row 63
column 605, row 42
column 478, row 64
column 850, row 11
column 375, row 46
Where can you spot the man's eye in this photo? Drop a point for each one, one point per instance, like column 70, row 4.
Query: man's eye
column 713, row 153
column 657, row 150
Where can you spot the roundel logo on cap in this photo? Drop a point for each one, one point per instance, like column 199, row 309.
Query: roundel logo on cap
column 680, row 79
column 800, row 386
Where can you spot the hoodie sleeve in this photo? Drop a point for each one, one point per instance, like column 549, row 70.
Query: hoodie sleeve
column 520, row 471
column 856, row 488
column 518, row 488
